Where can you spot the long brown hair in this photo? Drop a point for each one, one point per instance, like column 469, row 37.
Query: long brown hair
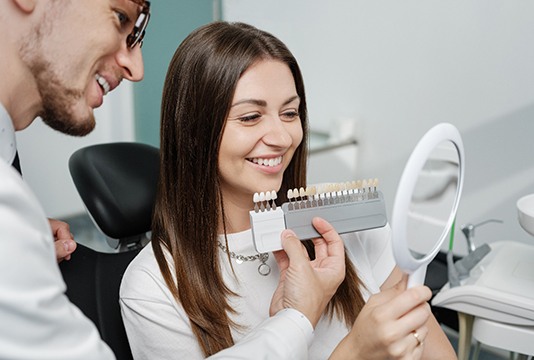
column 197, row 96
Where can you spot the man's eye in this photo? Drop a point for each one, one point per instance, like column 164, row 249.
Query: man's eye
column 123, row 18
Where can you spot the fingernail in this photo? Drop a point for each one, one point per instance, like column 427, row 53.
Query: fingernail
column 288, row 233
column 66, row 245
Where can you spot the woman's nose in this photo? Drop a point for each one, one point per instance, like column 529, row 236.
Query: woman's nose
column 277, row 134
column 131, row 62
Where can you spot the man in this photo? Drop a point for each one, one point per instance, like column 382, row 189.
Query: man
column 58, row 59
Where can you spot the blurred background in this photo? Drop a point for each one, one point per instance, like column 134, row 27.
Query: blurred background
column 378, row 75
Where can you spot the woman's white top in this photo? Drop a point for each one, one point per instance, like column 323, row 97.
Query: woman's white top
column 158, row 327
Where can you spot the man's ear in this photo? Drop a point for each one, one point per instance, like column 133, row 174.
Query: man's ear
column 26, row 6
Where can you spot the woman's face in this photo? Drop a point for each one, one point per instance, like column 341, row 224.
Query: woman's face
column 262, row 131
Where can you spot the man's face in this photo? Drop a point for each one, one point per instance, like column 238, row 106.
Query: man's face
column 77, row 54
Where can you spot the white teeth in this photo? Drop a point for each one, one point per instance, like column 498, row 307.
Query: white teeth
column 267, row 162
column 103, row 83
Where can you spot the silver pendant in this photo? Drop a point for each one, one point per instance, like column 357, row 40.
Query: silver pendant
column 264, row 269
column 238, row 261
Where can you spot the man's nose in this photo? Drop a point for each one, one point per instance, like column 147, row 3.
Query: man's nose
column 131, row 61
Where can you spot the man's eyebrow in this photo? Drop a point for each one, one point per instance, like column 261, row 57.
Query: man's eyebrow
column 263, row 102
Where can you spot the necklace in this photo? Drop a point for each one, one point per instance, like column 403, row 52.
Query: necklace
column 263, row 269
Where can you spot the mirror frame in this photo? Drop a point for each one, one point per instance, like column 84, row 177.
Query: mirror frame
column 438, row 134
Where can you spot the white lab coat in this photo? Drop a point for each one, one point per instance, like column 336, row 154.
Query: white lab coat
column 37, row 321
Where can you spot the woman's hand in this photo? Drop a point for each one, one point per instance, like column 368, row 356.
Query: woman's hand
column 305, row 285
column 391, row 325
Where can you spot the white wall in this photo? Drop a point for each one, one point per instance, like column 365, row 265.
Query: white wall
column 399, row 67
column 44, row 153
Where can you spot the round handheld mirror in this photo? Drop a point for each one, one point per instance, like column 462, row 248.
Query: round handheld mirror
column 427, row 200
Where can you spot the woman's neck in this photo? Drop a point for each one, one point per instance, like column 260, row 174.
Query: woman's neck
column 237, row 216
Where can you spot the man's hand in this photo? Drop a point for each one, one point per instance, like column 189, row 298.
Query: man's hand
column 308, row 286
column 63, row 239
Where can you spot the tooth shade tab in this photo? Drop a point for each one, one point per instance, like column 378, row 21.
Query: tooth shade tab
column 333, row 193
column 319, row 195
column 264, row 201
column 290, row 194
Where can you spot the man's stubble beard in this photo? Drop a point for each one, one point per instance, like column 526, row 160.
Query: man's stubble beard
column 58, row 104
column 58, row 101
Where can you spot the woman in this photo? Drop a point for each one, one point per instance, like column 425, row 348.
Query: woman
column 234, row 123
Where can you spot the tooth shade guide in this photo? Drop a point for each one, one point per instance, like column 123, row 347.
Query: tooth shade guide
column 319, row 195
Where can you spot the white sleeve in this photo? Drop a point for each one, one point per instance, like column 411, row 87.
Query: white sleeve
column 37, row 321
column 379, row 249
column 287, row 335
column 158, row 327
column 372, row 254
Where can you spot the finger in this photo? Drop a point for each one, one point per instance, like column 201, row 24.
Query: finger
column 63, row 232
column 408, row 300
column 332, row 244
column 60, row 229
column 64, row 248
column 410, row 346
column 415, row 319
column 282, row 260
column 419, row 335
column 387, row 295
column 408, row 306
column 293, row 248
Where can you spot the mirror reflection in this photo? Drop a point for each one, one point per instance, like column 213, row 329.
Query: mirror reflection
column 433, row 200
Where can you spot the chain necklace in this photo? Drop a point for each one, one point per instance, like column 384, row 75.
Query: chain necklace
column 263, row 269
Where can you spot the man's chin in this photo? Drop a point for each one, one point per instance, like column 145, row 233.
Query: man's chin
column 69, row 126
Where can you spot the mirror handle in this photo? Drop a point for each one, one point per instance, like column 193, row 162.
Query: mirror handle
column 417, row 277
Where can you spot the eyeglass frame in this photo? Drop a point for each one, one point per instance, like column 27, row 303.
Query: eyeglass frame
column 138, row 31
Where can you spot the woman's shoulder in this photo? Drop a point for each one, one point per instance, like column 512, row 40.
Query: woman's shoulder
column 141, row 275
column 145, row 260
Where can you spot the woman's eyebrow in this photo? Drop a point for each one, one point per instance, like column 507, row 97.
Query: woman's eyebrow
column 251, row 101
column 263, row 102
column 291, row 99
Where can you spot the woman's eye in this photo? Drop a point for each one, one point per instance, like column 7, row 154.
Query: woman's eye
column 290, row 115
column 249, row 118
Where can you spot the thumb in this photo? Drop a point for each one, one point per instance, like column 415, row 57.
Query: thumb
column 293, row 248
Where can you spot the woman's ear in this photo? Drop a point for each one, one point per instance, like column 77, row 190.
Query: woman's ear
column 26, row 6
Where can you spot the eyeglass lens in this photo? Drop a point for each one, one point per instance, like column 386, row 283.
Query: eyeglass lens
column 138, row 32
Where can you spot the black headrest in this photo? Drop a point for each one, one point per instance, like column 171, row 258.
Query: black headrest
column 117, row 183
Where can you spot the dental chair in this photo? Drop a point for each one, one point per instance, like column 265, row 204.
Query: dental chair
column 117, row 183
column 436, row 278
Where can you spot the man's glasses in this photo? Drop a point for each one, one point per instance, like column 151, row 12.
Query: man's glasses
column 138, row 32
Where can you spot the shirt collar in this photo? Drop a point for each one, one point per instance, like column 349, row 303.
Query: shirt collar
column 8, row 145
